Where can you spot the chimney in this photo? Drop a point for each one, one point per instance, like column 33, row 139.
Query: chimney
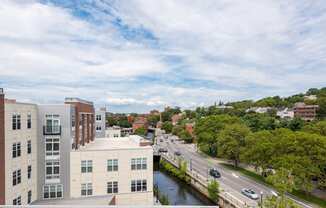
column 2, row 147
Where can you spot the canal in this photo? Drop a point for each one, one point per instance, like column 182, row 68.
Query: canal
column 178, row 193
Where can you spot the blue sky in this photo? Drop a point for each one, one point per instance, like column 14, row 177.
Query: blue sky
column 137, row 55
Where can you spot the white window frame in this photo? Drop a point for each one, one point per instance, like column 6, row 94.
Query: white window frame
column 58, row 188
column 112, row 165
column 86, row 166
column 139, row 163
column 17, row 201
column 55, row 122
column 86, row 189
column 98, row 117
column 52, row 141
column 52, row 164
column 112, row 187
column 139, row 185
column 16, row 150
column 29, row 147
column 16, row 121
column 98, row 128
column 29, row 171
column 29, row 121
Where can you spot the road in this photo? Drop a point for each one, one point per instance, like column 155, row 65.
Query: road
column 230, row 181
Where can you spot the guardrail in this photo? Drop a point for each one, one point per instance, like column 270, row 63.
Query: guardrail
column 204, row 181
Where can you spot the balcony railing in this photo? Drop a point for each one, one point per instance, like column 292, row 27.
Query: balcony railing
column 52, row 130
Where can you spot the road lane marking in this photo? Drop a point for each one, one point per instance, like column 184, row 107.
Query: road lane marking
column 235, row 175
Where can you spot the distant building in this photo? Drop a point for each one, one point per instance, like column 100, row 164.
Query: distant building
column 130, row 118
column 224, row 107
column 175, row 118
column 126, row 132
column 113, row 132
column 310, row 97
column 305, row 112
column 285, row 113
column 259, row 109
column 139, row 122
column 100, row 122
column 189, row 128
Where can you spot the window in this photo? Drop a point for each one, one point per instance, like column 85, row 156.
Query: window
column 115, row 135
column 112, row 187
column 16, row 150
column 29, row 121
column 29, row 171
column 52, row 191
column 29, row 147
column 52, row 124
column 139, row 164
column 52, row 146
column 112, row 165
column 98, row 128
column 86, row 166
column 16, row 177
column 86, row 189
column 138, row 185
column 17, row 201
column 29, row 197
column 15, row 121
column 98, row 117
column 52, row 169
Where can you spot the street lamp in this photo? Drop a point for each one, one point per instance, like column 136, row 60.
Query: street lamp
column 261, row 198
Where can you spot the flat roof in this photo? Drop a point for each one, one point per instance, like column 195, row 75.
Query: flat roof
column 91, row 200
column 131, row 142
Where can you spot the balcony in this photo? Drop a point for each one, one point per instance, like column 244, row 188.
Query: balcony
column 51, row 130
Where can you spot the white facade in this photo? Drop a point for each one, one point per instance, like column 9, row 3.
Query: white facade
column 122, row 168
column 113, row 132
column 21, row 153
column 100, row 121
column 285, row 113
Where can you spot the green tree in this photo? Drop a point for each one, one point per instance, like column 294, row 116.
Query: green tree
column 167, row 126
column 231, row 140
column 207, row 129
column 213, row 190
column 153, row 119
column 141, row 131
column 316, row 128
column 296, row 124
column 258, row 150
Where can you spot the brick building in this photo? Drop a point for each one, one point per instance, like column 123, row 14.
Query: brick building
column 305, row 112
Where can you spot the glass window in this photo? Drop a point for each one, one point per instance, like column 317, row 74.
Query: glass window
column 29, row 147
column 52, row 191
column 52, row 146
column 17, row 201
column 29, row 197
column 138, row 185
column 86, row 166
column 15, row 121
column 29, row 171
column 138, row 163
column 52, row 169
column 98, row 117
column 29, row 121
column 86, row 189
column 112, row 165
column 112, row 187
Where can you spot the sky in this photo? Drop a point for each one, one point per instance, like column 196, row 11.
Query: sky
column 138, row 55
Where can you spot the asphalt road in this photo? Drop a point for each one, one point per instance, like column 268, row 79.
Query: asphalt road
column 230, row 181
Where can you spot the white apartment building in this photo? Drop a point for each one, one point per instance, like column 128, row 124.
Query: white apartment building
column 121, row 167
column 49, row 156
column 285, row 113
column 18, row 149
column 113, row 132
column 100, row 122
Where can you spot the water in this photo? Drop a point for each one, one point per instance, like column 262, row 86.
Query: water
column 178, row 192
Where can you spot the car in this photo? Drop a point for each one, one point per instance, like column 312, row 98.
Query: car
column 249, row 193
column 214, row 173
column 162, row 150
column 177, row 153
column 161, row 140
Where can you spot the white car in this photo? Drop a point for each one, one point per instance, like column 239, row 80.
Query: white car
column 249, row 193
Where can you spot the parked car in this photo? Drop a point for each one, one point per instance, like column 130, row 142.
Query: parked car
column 214, row 173
column 162, row 149
column 249, row 193
column 177, row 153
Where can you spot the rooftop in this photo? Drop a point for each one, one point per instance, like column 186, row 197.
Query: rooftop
column 131, row 142
column 77, row 100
